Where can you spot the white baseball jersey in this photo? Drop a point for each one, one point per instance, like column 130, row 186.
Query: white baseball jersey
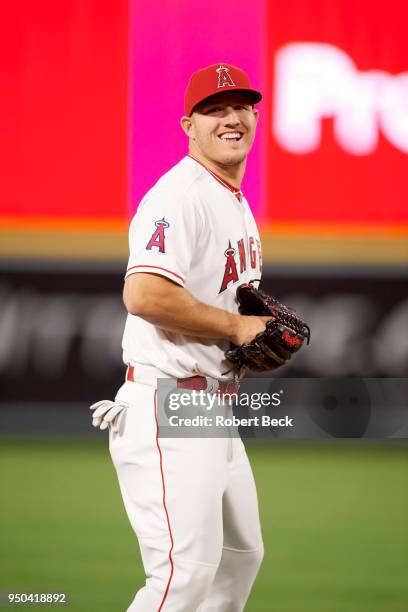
column 197, row 230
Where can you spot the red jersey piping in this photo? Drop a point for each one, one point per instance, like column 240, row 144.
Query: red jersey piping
column 237, row 192
column 157, row 268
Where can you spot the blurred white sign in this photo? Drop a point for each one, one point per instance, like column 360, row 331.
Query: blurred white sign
column 314, row 81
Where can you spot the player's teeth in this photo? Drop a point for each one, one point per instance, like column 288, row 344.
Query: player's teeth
column 230, row 136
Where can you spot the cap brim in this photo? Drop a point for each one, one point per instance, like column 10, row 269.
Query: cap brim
column 253, row 95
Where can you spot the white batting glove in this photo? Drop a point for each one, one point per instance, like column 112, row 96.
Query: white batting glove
column 108, row 414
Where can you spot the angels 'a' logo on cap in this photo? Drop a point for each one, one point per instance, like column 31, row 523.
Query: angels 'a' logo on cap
column 224, row 77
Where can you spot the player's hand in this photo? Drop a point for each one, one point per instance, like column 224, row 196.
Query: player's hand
column 247, row 327
column 108, row 414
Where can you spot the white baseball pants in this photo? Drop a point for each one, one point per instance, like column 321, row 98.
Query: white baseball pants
column 193, row 506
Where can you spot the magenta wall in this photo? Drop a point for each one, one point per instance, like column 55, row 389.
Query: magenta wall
column 169, row 41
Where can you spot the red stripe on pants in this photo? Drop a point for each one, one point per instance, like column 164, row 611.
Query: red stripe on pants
column 164, row 504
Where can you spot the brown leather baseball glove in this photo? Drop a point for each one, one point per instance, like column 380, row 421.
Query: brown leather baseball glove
column 284, row 334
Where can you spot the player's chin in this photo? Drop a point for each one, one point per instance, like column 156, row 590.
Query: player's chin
column 232, row 158
column 237, row 150
column 233, row 154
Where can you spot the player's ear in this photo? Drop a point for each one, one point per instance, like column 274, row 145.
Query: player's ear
column 187, row 126
column 256, row 113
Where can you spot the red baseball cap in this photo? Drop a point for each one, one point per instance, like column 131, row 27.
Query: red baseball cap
column 214, row 79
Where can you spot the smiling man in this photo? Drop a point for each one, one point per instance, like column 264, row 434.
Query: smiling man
column 191, row 502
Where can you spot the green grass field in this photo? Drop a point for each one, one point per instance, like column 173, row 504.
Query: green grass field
column 334, row 517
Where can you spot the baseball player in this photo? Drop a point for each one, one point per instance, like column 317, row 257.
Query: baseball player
column 191, row 502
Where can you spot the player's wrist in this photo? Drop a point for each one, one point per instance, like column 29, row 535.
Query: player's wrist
column 237, row 327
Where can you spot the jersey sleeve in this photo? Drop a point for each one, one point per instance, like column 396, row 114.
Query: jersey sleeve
column 163, row 236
